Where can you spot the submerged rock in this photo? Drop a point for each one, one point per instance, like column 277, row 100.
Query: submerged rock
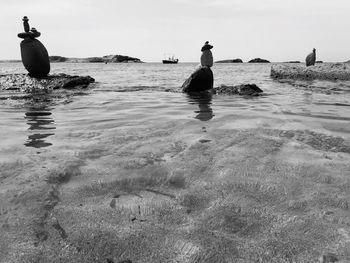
column 200, row 80
column 328, row 258
column 24, row 82
column 328, row 71
column 258, row 60
column 243, row 89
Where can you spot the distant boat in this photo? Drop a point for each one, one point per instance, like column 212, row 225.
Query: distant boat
column 170, row 60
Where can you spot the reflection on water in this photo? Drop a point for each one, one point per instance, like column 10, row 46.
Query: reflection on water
column 203, row 99
column 39, row 119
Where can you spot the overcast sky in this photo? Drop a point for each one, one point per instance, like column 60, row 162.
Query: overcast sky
column 278, row 30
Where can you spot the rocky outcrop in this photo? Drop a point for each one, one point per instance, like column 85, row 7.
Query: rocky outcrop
column 237, row 60
column 104, row 59
column 120, row 59
column 243, row 89
column 258, row 60
column 200, row 80
column 326, row 71
column 24, row 82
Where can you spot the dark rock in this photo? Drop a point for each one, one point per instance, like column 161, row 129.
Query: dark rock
column 26, row 83
column 237, row 60
column 35, row 57
column 244, row 89
column 311, row 58
column 319, row 62
column 112, row 203
column 200, row 80
column 258, row 60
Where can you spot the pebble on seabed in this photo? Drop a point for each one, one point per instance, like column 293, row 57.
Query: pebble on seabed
column 328, row 258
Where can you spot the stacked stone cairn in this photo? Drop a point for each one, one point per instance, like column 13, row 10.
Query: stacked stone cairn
column 201, row 79
column 35, row 57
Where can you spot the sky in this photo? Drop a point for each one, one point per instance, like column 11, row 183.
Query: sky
column 277, row 30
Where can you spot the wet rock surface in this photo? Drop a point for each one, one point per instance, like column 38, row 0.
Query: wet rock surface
column 243, row 89
column 23, row 82
column 325, row 71
column 201, row 79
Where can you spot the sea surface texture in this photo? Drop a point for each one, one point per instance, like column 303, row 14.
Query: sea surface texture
column 133, row 170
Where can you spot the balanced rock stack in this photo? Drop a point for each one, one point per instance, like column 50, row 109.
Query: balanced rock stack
column 34, row 55
column 201, row 79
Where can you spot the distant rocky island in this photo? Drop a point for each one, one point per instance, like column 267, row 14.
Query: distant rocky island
column 237, row 60
column 258, row 60
column 104, row 59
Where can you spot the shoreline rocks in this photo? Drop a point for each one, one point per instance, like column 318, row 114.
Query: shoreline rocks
column 26, row 83
column 325, row 71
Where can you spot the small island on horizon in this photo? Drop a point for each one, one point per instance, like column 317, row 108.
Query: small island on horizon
column 104, row 59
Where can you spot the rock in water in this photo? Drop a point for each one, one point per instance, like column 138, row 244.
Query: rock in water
column 34, row 55
column 326, row 71
column 200, row 80
column 25, row 83
column 244, row 89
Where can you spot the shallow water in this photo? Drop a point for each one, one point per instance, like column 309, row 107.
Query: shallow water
column 133, row 132
column 127, row 95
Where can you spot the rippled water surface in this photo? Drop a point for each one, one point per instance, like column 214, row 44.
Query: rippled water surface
column 140, row 95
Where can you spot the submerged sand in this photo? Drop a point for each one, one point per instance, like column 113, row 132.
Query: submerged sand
column 179, row 192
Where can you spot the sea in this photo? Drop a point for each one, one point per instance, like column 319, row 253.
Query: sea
column 170, row 149
column 138, row 96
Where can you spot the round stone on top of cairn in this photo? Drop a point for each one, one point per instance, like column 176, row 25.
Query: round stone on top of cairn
column 35, row 57
column 207, row 56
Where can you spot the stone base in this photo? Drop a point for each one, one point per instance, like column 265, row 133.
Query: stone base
column 200, row 80
column 24, row 82
column 326, row 71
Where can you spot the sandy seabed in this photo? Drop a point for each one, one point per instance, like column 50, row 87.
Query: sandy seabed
column 179, row 192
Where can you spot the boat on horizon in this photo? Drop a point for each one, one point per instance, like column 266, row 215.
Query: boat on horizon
column 170, row 60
